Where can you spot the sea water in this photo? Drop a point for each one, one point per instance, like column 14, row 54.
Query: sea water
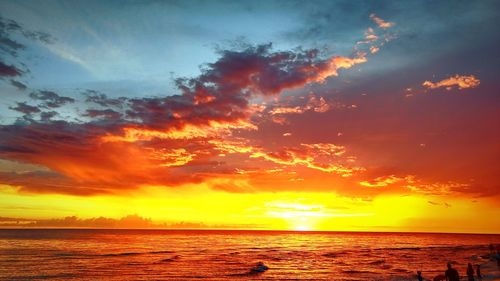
column 89, row 254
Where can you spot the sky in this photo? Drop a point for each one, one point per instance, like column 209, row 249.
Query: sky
column 287, row 115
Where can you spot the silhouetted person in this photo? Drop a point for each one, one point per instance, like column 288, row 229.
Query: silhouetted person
column 451, row 274
column 419, row 276
column 478, row 272
column 470, row 272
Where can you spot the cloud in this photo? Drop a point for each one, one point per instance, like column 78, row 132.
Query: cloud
column 380, row 22
column 127, row 222
column 370, row 37
column 130, row 221
column 20, row 86
column 47, row 116
column 9, row 47
column 10, row 26
column 102, row 100
column 439, row 204
column 460, row 81
column 431, row 187
column 442, row 187
column 221, row 94
column 25, row 108
column 373, row 41
column 107, row 114
column 9, row 70
column 374, row 49
column 44, row 181
column 324, row 157
column 173, row 139
column 382, row 181
column 319, row 156
column 314, row 103
column 50, row 99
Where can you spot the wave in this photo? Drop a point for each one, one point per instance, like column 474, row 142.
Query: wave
column 353, row 271
column 174, row 258
column 455, row 247
column 122, row 254
column 245, row 274
column 161, row 252
column 336, row 254
column 377, row 262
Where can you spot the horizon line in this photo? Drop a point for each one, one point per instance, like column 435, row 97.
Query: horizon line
column 248, row 230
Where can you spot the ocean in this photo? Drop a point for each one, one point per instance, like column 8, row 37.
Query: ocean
column 90, row 254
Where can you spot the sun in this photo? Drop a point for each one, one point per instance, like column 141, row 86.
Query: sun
column 303, row 228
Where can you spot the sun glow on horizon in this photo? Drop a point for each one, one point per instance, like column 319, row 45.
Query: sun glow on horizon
column 200, row 207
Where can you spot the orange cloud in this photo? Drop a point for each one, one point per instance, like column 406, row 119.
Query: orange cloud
column 415, row 184
column 211, row 130
column 372, row 42
column 172, row 157
column 174, row 139
column 370, row 37
column 315, row 156
column 331, row 67
column 461, row 81
column 325, row 157
column 287, row 110
column 438, row 188
column 231, row 146
column 313, row 104
column 380, row 22
column 374, row 49
column 382, row 181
